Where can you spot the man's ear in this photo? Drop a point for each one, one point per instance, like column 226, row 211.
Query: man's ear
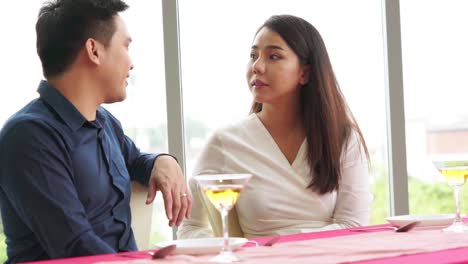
column 93, row 51
column 305, row 72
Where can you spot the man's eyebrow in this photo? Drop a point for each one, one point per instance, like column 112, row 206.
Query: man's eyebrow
column 275, row 47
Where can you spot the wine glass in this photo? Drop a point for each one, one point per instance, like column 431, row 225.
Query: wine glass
column 223, row 190
column 455, row 173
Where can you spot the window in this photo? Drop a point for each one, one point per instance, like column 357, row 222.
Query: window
column 20, row 65
column 215, row 50
column 435, row 64
column 142, row 114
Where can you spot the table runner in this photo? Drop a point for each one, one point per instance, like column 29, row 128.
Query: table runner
column 337, row 249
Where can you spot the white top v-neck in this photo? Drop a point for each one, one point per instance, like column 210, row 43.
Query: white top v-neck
column 261, row 126
column 277, row 200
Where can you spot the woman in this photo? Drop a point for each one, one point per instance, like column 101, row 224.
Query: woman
column 301, row 143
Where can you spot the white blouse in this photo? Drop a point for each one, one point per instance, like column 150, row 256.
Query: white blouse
column 277, row 200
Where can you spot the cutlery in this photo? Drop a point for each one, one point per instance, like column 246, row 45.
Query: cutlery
column 407, row 227
column 164, row 251
column 161, row 253
column 404, row 228
column 272, row 241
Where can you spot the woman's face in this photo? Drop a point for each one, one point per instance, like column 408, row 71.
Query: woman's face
column 273, row 72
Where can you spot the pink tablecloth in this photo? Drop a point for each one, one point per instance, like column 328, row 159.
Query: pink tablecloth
column 330, row 247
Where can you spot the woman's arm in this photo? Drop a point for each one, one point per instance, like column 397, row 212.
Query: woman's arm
column 197, row 225
column 354, row 197
column 210, row 161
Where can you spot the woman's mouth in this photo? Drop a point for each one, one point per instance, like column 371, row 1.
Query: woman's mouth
column 258, row 84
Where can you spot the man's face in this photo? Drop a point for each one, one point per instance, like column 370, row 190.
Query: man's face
column 116, row 64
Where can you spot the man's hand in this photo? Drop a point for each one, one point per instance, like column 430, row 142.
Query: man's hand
column 167, row 177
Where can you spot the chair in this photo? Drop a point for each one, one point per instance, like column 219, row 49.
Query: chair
column 142, row 215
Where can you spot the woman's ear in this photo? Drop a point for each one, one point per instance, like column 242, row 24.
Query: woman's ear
column 93, row 51
column 305, row 72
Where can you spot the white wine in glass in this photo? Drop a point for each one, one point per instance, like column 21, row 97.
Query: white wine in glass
column 456, row 174
column 223, row 190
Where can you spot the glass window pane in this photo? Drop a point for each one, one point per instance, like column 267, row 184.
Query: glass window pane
column 435, row 63
column 143, row 113
column 215, row 50
column 20, row 65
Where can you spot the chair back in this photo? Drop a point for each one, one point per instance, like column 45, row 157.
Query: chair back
column 142, row 215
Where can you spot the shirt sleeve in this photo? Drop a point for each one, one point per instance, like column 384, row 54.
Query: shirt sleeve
column 139, row 164
column 37, row 179
column 354, row 197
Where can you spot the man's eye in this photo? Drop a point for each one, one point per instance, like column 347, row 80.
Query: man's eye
column 253, row 55
column 274, row 57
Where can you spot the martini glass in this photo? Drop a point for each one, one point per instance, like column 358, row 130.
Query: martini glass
column 223, row 190
column 455, row 173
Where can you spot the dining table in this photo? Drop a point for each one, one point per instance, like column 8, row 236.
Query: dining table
column 376, row 244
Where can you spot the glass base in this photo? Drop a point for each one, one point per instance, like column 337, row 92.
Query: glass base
column 225, row 257
column 457, row 227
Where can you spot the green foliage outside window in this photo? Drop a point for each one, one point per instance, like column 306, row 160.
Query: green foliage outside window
column 3, row 256
column 424, row 198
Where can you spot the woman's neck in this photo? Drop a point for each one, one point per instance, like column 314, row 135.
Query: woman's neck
column 282, row 119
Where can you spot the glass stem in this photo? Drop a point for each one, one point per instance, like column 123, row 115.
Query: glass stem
column 224, row 218
column 456, row 192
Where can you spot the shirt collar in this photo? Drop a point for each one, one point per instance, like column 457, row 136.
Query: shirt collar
column 64, row 108
column 100, row 117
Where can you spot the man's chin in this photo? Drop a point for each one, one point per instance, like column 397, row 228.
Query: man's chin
column 121, row 99
column 116, row 99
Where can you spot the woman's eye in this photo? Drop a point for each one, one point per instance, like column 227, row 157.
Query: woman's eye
column 274, row 57
column 253, row 55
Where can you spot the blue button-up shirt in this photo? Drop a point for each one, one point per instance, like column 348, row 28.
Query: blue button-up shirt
column 65, row 181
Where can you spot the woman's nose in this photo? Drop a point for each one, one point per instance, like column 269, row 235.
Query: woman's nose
column 258, row 66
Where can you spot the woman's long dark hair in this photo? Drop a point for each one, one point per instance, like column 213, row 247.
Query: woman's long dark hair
column 327, row 119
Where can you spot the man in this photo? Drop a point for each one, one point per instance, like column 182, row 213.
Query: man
column 65, row 163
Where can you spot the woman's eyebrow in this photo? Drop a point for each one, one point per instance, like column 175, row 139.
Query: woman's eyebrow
column 275, row 47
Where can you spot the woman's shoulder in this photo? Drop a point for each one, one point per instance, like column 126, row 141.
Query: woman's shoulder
column 354, row 147
column 244, row 131
column 239, row 127
column 354, row 136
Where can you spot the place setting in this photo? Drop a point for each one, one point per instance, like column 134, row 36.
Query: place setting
column 403, row 235
column 455, row 173
column 223, row 191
